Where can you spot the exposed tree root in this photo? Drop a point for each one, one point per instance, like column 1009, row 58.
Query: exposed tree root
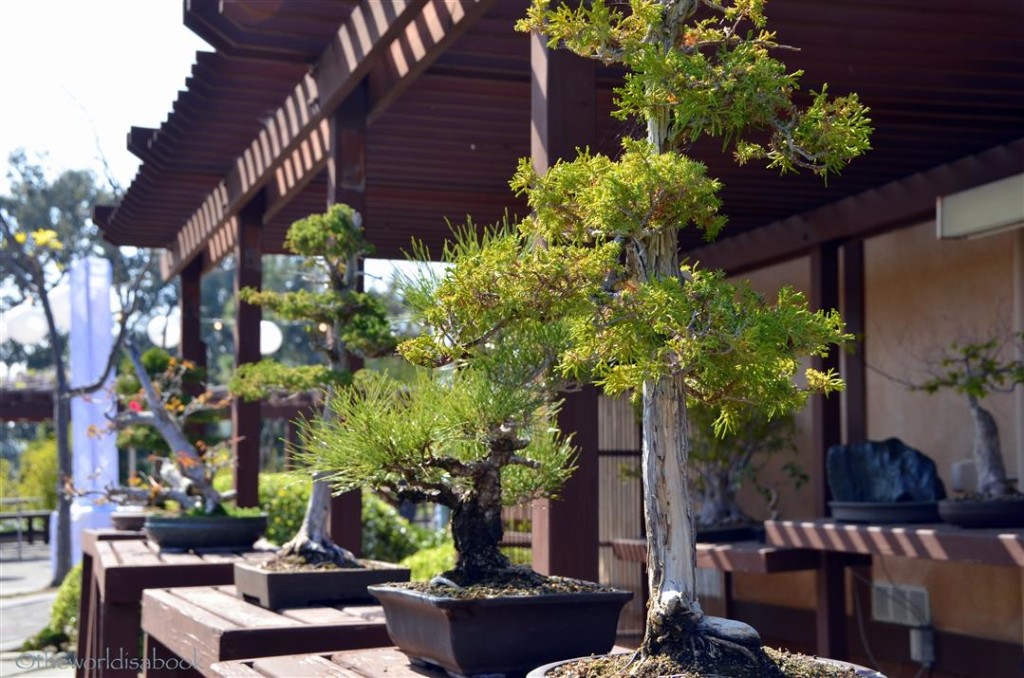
column 316, row 552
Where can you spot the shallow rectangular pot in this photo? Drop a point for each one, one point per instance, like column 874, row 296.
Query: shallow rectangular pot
column 500, row 635
column 276, row 590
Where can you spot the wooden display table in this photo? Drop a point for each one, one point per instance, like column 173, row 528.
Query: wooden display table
column 117, row 567
column 385, row 662
column 208, row 624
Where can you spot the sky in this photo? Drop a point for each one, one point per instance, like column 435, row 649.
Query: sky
column 77, row 74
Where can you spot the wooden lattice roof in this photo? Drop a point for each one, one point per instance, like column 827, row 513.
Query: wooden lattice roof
column 449, row 114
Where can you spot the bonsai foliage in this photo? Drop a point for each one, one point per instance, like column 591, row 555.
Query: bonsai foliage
column 976, row 371
column 341, row 321
column 723, row 463
column 159, row 403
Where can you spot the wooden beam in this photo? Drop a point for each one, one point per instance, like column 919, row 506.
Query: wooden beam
column 439, row 25
column 824, row 295
column 371, row 27
column 905, row 202
column 245, row 416
column 422, row 42
column 563, row 118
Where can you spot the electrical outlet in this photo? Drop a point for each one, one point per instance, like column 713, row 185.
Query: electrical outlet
column 922, row 646
column 900, row 604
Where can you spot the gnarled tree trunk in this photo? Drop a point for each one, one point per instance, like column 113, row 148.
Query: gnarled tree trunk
column 477, row 529
column 313, row 542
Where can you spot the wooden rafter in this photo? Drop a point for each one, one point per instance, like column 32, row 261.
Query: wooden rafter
column 371, row 27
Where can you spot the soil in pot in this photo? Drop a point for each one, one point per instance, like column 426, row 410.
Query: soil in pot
column 974, row 511
column 292, row 582
column 510, row 624
column 790, row 666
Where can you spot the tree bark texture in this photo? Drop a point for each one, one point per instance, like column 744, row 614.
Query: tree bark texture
column 988, row 457
column 477, row 529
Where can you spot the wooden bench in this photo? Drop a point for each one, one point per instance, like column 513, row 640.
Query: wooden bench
column 204, row 625
column 29, row 519
column 115, row 571
column 386, row 662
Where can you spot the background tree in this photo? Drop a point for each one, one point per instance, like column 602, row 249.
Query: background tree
column 44, row 227
column 665, row 331
column 340, row 321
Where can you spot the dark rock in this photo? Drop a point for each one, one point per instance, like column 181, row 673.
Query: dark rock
column 886, row 471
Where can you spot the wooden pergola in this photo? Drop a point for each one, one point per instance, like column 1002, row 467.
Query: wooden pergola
column 416, row 111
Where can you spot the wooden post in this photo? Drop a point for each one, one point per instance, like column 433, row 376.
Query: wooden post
column 346, row 183
column 563, row 118
column 245, row 416
column 192, row 346
column 830, row 614
column 854, row 372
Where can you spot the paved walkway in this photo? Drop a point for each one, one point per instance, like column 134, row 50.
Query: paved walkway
column 25, row 602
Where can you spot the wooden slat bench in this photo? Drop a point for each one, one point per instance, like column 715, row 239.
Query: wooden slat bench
column 386, row 662
column 115, row 572
column 209, row 624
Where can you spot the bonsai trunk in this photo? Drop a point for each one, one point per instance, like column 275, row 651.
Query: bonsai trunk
column 313, row 542
column 477, row 530
column 988, row 457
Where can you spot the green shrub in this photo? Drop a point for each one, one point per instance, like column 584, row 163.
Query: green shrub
column 62, row 631
column 430, row 562
column 38, row 472
column 387, row 535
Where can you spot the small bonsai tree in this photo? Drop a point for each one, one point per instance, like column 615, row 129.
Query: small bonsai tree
column 341, row 321
column 723, row 463
column 154, row 399
column 975, row 370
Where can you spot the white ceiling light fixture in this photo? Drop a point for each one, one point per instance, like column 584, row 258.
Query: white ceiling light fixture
column 271, row 337
column 983, row 210
column 165, row 330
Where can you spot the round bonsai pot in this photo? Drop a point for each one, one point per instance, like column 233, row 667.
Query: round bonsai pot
column 883, row 512
column 983, row 512
column 862, row 671
column 303, row 588
column 502, row 634
column 182, row 533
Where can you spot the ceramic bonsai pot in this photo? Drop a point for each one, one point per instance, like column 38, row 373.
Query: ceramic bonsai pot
column 471, row 637
column 884, row 512
column 181, row 533
column 131, row 521
column 861, row 671
column 298, row 588
column 979, row 513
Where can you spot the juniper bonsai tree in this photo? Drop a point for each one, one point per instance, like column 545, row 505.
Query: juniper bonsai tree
column 341, row 321
column 601, row 252
column 975, row 370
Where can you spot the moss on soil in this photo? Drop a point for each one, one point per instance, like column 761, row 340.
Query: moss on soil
column 513, row 581
column 624, row 666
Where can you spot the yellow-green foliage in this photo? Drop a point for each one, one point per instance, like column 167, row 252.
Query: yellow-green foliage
column 8, row 479
column 427, row 563
column 37, row 475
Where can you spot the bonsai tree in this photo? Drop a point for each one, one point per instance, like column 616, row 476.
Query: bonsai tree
column 722, row 463
column 600, row 252
column 975, row 371
column 155, row 400
column 341, row 321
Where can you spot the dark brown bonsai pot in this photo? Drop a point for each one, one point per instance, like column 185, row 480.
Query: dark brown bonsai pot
column 303, row 588
column 182, row 533
column 131, row 521
column 502, row 634
column 979, row 513
column 862, row 671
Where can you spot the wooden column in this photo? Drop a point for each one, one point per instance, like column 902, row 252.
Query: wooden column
column 854, row 372
column 563, row 118
column 830, row 614
column 346, row 183
column 245, row 416
column 192, row 346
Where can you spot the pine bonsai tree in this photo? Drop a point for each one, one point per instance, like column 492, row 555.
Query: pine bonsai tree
column 600, row 252
column 340, row 321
